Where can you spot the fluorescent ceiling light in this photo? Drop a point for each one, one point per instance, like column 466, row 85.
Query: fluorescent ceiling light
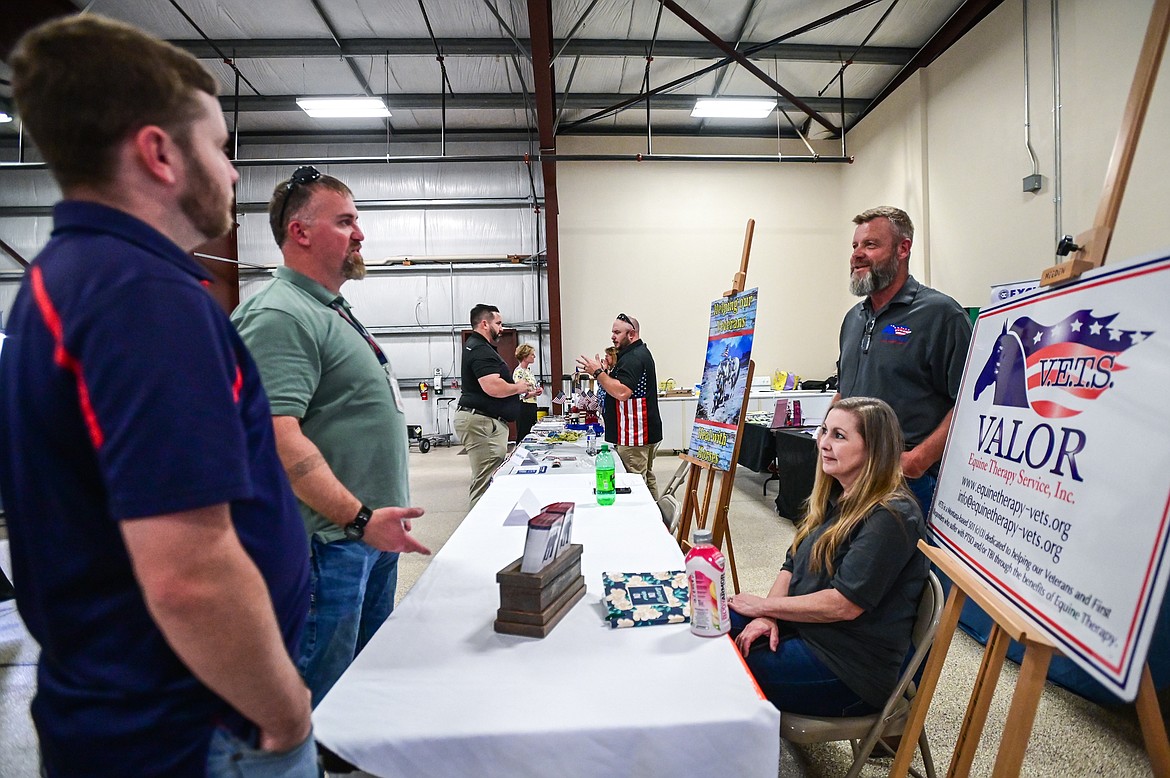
column 732, row 108
column 4, row 118
column 343, row 107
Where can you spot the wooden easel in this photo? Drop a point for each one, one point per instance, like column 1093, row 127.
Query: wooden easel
column 1008, row 625
column 1091, row 247
column 696, row 506
column 1089, row 250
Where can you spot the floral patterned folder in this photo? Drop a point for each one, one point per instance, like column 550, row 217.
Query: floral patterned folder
column 641, row 599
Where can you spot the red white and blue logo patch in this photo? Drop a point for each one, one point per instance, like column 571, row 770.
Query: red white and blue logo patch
column 896, row 333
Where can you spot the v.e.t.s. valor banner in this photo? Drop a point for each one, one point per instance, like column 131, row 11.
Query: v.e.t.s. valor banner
column 1055, row 484
column 725, row 375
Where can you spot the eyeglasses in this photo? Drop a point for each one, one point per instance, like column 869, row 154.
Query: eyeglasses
column 626, row 319
column 865, row 339
column 306, row 174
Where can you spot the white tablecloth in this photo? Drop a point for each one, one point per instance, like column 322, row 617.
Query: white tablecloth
column 438, row 692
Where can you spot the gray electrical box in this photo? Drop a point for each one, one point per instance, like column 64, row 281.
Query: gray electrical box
column 1033, row 183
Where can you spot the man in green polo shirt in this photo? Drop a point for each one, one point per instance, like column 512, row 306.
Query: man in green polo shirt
column 340, row 428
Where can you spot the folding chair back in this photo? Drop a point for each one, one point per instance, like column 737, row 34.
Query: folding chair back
column 669, row 505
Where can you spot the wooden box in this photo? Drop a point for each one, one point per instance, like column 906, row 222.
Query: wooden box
column 531, row 604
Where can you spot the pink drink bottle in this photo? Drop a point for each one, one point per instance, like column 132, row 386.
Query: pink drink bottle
column 707, row 576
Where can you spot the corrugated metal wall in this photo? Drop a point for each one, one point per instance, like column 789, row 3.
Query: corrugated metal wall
column 471, row 229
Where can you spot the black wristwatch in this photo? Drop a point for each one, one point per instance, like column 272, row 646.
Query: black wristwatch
column 357, row 528
column 598, row 372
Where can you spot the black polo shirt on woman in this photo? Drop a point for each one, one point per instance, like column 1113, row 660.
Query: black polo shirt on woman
column 480, row 359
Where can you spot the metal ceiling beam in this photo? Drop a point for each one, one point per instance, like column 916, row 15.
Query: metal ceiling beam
column 8, row 141
column 544, row 88
column 679, row 83
column 725, row 74
column 523, row 159
column 13, row 253
column 357, row 72
column 515, row 101
column 745, row 63
column 309, row 48
column 432, row 204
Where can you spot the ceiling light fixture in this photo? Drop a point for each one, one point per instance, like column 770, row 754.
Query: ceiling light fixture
column 343, row 107
column 732, row 108
column 4, row 118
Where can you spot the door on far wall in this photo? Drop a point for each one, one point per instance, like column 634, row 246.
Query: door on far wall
column 509, row 342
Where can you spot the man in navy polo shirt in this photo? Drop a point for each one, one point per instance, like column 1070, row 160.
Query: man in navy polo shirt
column 905, row 343
column 161, row 560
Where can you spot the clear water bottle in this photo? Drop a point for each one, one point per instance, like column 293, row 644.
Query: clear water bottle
column 605, row 476
column 590, row 443
column 707, row 577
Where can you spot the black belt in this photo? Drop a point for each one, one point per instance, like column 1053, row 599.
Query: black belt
column 478, row 412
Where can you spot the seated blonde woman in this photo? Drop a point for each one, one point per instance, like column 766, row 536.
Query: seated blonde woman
column 830, row 637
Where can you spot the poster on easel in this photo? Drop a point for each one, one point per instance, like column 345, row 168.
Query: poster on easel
column 1055, row 485
column 725, row 375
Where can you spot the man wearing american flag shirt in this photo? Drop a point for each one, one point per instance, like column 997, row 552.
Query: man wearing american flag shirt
column 632, row 423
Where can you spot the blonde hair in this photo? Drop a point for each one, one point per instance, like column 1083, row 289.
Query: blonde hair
column 879, row 483
column 524, row 351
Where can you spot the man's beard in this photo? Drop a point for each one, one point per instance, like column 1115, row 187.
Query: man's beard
column 880, row 275
column 209, row 210
column 354, row 267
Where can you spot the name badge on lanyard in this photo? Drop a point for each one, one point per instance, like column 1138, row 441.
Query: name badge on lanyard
column 397, row 392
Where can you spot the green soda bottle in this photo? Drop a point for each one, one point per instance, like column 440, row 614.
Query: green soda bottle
column 605, row 476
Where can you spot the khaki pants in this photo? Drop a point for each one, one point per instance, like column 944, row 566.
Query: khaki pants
column 486, row 441
column 640, row 460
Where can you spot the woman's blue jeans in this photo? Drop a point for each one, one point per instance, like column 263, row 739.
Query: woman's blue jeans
column 795, row 681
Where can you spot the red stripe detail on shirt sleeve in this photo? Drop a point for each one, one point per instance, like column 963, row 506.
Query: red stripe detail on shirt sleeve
column 63, row 358
column 237, row 385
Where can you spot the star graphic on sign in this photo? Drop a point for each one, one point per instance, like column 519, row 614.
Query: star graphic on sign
column 1076, row 325
column 1114, row 333
column 1095, row 328
column 1138, row 337
column 1038, row 336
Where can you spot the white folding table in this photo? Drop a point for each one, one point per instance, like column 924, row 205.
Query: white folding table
column 438, row 692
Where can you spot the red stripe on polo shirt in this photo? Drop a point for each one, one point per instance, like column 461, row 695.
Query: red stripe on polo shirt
column 63, row 358
column 237, row 385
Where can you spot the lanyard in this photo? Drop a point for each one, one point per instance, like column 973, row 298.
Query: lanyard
column 342, row 311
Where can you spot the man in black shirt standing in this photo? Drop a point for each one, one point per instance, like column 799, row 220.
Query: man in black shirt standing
column 632, row 422
column 904, row 343
column 489, row 401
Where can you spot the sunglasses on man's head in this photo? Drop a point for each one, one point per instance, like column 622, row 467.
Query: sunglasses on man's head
column 305, row 174
column 626, row 319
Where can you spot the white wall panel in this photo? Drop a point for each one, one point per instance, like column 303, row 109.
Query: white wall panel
column 27, row 235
